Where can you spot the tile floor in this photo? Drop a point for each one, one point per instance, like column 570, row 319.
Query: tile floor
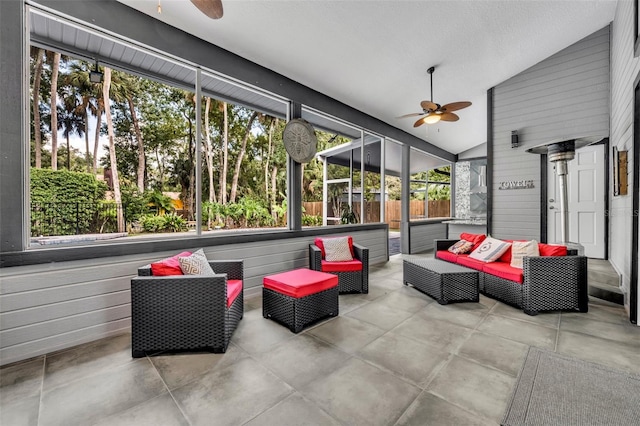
column 392, row 357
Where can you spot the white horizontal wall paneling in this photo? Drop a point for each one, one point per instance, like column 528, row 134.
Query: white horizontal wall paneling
column 422, row 236
column 565, row 95
column 53, row 306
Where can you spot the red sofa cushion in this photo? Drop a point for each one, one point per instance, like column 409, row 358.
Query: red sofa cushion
column 169, row 266
column 465, row 260
column 504, row 270
column 320, row 245
column 552, row 250
column 300, row 282
column 447, row 255
column 234, row 287
column 476, row 239
column 346, row 266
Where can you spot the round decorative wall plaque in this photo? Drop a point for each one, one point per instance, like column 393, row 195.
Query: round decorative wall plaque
column 300, row 140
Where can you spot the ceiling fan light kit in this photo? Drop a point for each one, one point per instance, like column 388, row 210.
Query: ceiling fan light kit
column 435, row 112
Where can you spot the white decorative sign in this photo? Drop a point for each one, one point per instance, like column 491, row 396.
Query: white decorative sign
column 516, row 184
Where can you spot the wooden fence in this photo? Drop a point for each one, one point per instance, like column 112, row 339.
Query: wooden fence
column 439, row 208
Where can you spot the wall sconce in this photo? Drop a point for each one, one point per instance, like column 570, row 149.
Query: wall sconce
column 514, row 139
column 95, row 76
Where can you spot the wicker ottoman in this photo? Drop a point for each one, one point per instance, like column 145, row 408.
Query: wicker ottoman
column 444, row 281
column 300, row 297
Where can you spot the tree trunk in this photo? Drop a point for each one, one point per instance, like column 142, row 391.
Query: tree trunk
column 243, row 148
column 112, row 149
column 96, row 142
column 225, row 155
column 209, row 159
column 141, row 158
column 86, row 140
column 266, row 165
column 54, row 110
column 36, row 108
column 274, row 174
column 68, row 153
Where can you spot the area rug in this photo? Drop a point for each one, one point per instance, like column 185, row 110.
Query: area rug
column 554, row 389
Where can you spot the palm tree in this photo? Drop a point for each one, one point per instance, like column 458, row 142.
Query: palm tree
column 55, row 67
column 112, row 148
column 37, row 78
column 70, row 121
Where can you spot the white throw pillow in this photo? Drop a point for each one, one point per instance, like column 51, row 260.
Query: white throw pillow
column 490, row 250
column 520, row 249
column 337, row 249
column 196, row 264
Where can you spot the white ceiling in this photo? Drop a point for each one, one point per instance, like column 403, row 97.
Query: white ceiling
column 373, row 54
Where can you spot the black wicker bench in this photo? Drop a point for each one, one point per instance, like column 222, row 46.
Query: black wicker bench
column 445, row 282
column 300, row 297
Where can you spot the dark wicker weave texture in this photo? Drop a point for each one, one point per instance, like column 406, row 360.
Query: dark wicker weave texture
column 348, row 282
column 441, row 280
column 297, row 313
column 184, row 312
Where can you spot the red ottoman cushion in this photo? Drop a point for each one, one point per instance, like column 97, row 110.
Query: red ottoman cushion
column 300, row 282
column 234, row 287
column 346, row 266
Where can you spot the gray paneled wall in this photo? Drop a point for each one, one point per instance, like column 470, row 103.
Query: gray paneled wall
column 423, row 234
column 566, row 95
column 625, row 68
column 54, row 306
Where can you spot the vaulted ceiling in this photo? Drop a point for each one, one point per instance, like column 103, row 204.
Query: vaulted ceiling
column 373, row 55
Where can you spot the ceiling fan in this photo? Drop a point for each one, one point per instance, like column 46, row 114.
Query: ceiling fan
column 433, row 112
column 211, row 8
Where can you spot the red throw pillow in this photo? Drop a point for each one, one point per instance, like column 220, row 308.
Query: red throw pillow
column 476, row 239
column 320, row 245
column 169, row 266
column 552, row 250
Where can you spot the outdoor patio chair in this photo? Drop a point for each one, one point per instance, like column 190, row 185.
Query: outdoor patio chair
column 353, row 275
column 186, row 312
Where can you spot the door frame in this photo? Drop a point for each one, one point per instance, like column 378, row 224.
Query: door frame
column 544, row 199
column 633, row 282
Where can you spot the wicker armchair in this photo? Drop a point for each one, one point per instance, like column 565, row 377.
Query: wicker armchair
column 350, row 281
column 184, row 312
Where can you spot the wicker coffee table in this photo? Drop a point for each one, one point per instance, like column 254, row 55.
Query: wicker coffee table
column 444, row 281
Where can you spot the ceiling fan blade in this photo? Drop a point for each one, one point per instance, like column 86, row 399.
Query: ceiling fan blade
column 419, row 123
column 428, row 105
column 211, row 8
column 455, row 106
column 449, row 116
column 414, row 114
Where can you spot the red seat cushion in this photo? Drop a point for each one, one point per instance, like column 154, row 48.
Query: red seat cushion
column 476, row 239
column 346, row 266
column 447, row 255
column 465, row 260
column 504, row 270
column 300, row 282
column 169, row 266
column 234, row 287
column 320, row 245
column 552, row 250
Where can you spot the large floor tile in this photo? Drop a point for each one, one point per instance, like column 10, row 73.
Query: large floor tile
column 438, row 334
column 428, row 409
column 624, row 333
column 232, row 395
column 349, row 334
column 360, row 394
column 179, row 369
column 614, row 354
column 503, row 354
column 349, row 302
column 413, row 360
column 476, row 388
column 21, row 380
column 161, row 410
column 380, row 315
column 520, row 331
column 600, row 312
column 406, row 299
column 256, row 334
column 548, row 319
column 388, row 282
column 465, row 314
column 375, row 293
column 294, row 411
column 96, row 396
column 303, row 359
column 90, row 358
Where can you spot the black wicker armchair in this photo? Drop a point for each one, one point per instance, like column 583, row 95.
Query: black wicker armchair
column 348, row 281
column 184, row 312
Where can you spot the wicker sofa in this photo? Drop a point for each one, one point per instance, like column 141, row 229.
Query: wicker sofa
column 185, row 312
column 546, row 283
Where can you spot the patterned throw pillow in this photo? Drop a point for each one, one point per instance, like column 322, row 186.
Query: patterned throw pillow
column 519, row 249
column 461, row 247
column 196, row 264
column 490, row 250
column 337, row 249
